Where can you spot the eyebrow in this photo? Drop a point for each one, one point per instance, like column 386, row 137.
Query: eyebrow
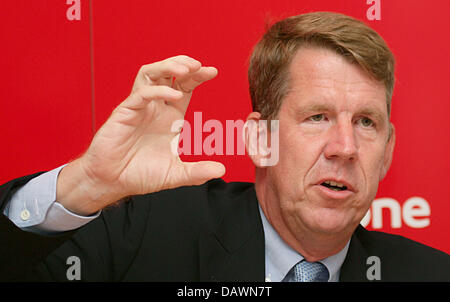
column 309, row 109
column 304, row 110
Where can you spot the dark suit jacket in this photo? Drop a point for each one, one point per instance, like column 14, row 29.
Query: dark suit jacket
column 211, row 232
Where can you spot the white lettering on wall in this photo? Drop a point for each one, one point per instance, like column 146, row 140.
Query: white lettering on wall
column 414, row 208
column 394, row 208
column 415, row 213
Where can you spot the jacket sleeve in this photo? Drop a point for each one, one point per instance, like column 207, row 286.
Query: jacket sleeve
column 20, row 251
column 104, row 248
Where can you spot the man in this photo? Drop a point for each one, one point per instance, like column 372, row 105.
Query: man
column 328, row 80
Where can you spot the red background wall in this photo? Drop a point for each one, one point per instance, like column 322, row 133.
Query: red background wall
column 61, row 78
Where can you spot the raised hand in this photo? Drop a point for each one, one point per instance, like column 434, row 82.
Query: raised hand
column 131, row 153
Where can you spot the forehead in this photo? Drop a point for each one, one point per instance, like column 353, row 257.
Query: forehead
column 320, row 75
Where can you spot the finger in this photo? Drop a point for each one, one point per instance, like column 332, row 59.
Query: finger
column 191, row 81
column 189, row 62
column 159, row 73
column 163, row 72
column 198, row 173
column 141, row 97
column 188, row 84
column 178, row 66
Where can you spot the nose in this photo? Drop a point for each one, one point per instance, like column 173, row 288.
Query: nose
column 342, row 142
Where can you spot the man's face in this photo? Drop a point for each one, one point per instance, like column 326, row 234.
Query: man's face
column 333, row 144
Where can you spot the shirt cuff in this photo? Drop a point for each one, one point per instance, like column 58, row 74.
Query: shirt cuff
column 59, row 219
column 33, row 207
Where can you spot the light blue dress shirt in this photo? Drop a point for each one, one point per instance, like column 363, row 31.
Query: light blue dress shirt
column 280, row 257
column 33, row 207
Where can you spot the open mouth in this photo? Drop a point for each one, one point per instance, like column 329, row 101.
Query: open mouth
column 335, row 186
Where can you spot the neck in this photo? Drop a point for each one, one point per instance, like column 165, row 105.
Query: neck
column 313, row 245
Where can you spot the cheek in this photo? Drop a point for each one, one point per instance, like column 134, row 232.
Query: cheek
column 300, row 142
column 297, row 155
column 371, row 160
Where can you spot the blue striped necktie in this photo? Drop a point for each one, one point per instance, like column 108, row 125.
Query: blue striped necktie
column 305, row 271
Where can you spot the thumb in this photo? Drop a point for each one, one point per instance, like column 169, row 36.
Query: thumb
column 200, row 172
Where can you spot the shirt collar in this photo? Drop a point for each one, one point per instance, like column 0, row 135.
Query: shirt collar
column 280, row 257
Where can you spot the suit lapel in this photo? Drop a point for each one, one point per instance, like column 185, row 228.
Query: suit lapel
column 354, row 268
column 234, row 250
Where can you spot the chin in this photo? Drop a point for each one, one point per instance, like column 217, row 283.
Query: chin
column 329, row 221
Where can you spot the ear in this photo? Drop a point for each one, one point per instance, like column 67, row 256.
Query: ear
column 389, row 151
column 253, row 133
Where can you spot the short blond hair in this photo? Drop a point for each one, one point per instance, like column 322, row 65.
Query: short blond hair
column 268, row 74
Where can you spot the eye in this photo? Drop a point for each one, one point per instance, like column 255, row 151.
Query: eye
column 317, row 118
column 366, row 122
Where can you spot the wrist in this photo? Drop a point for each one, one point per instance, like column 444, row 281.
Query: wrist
column 81, row 194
